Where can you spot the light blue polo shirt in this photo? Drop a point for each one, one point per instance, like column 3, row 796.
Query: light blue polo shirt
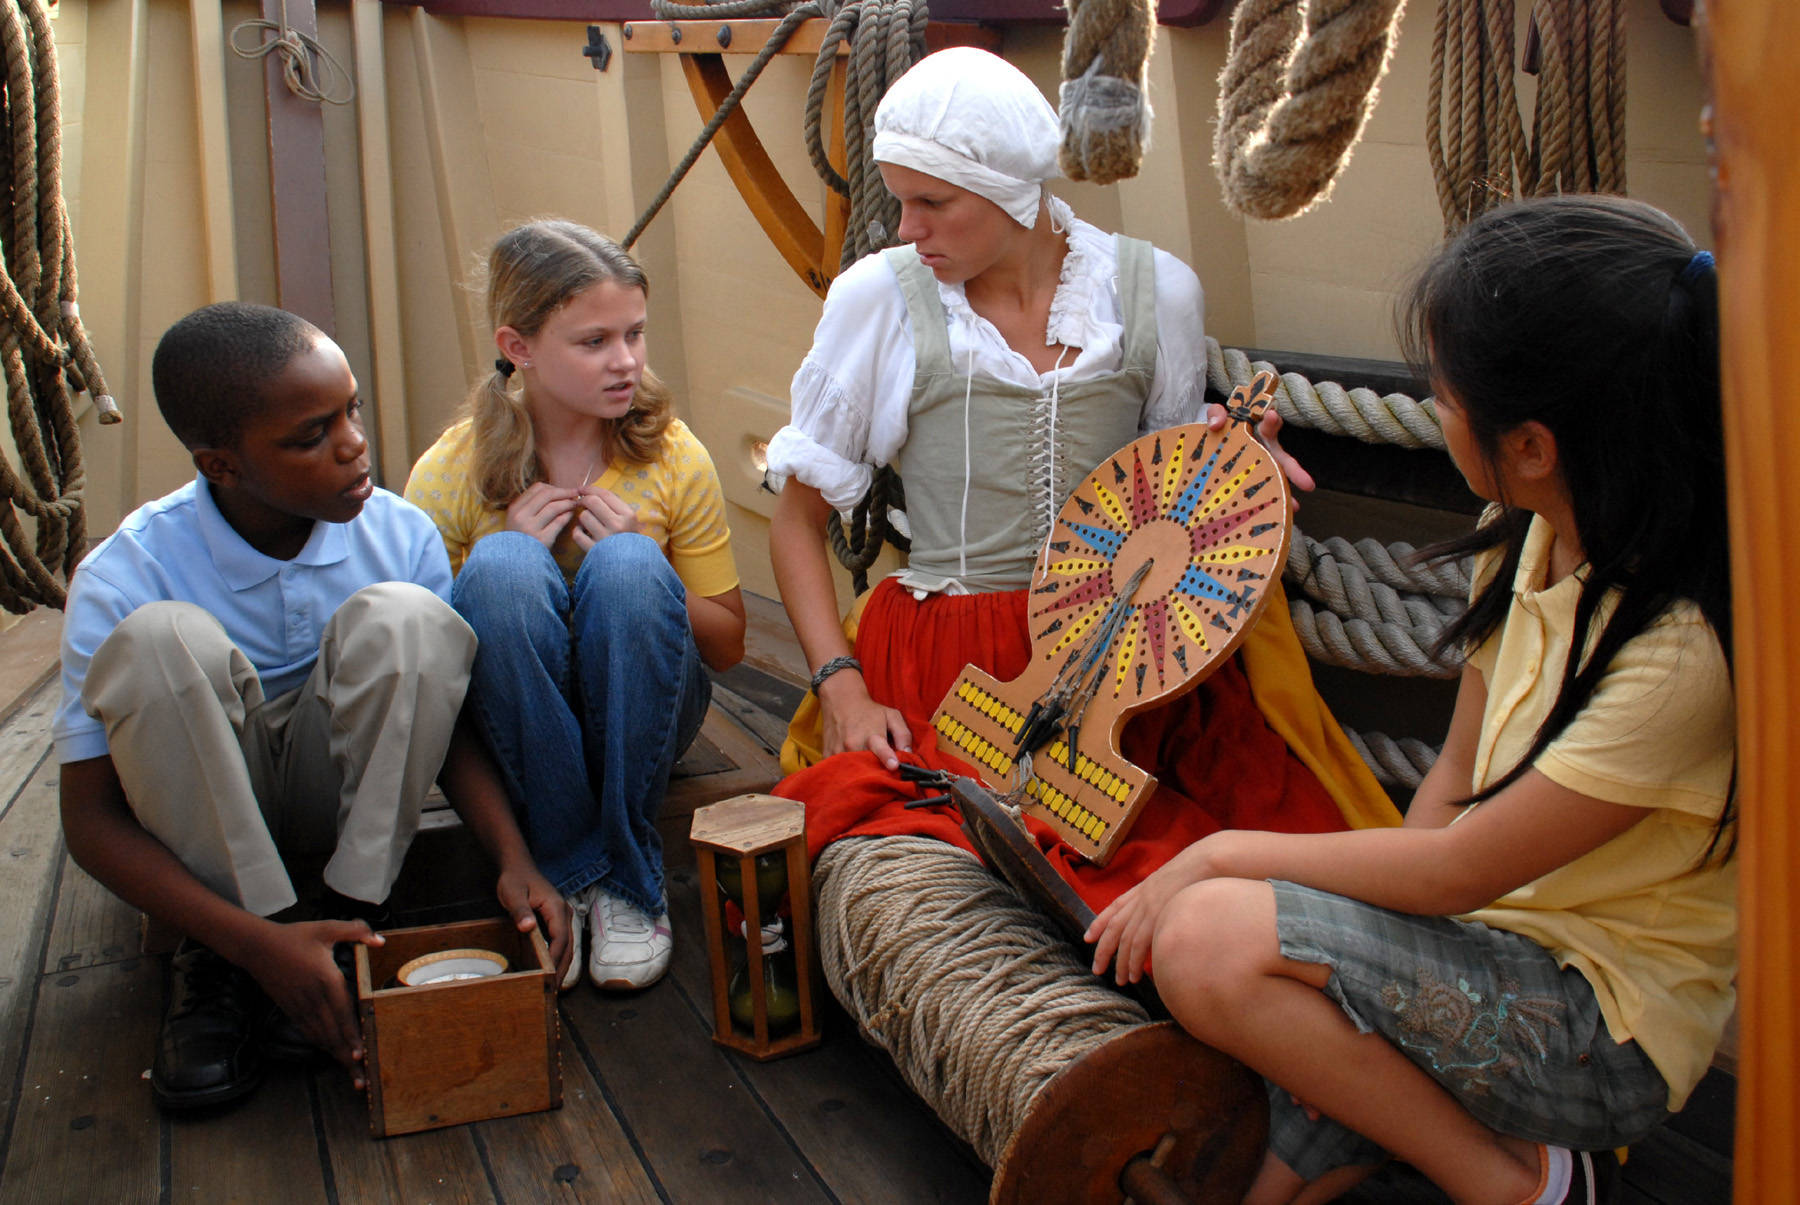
column 180, row 548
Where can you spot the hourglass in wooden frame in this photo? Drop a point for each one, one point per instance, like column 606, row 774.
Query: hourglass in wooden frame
column 751, row 855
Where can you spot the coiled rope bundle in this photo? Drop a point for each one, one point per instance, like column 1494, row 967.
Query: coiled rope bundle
column 43, row 348
column 1480, row 155
column 975, row 997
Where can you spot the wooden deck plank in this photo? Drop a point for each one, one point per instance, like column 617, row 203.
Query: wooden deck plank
column 832, row 1098
column 91, row 925
column 25, row 741
column 769, row 642
column 706, row 1134
column 768, row 731
column 85, row 1128
column 28, row 657
column 701, row 757
column 31, row 835
column 1672, row 1169
column 579, row 1152
column 261, row 1150
column 440, row 1166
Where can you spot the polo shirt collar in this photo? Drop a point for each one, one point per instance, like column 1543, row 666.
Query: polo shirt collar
column 242, row 566
column 1534, row 570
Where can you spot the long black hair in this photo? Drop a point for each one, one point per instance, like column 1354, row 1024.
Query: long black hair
column 1596, row 317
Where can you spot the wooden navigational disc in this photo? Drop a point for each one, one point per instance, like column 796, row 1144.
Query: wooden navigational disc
column 1151, row 1091
column 1196, row 523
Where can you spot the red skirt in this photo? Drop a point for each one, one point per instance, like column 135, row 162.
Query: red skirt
column 1218, row 763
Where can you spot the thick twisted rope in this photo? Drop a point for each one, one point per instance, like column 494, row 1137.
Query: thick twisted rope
column 1343, row 586
column 1299, row 83
column 1392, row 418
column 1480, row 155
column 1374, row 646
column 1370, row 565
column 1399, row 763
column 1104, row 104
column 870, row 527
column 44, row 351
column 977, row 1000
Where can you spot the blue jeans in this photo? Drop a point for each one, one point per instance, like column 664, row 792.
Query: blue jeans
column 586, row 694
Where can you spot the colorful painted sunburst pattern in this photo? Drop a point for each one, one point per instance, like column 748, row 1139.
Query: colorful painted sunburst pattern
column 1212, row 502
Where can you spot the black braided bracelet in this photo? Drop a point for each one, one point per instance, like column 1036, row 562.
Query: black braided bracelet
column 833, row 666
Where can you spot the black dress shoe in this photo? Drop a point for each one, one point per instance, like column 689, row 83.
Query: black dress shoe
column 209, row 1051
column 285, row 1041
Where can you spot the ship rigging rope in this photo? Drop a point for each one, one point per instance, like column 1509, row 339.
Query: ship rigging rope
column 1299, row 83
column 886, row 37
column 43, row 348
column 1480, row 155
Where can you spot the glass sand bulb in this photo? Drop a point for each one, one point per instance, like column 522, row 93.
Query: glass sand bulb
column 781, row 988
column 771, row 880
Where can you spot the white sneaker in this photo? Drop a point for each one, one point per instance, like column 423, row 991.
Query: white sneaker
column 629, row 950
column 582, row 905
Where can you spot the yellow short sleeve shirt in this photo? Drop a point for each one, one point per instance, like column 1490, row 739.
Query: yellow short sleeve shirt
column 677, row 497
column 1650, row 925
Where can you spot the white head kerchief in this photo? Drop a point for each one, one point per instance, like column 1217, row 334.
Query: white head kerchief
column 974, row 120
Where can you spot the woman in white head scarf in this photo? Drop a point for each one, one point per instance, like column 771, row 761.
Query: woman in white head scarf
column 995, row 359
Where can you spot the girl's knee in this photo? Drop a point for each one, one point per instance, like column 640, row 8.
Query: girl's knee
column 628, row 573
column 499, row 567
column 1214, row 937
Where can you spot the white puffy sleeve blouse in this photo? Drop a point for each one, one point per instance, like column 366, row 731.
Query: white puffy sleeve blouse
column 851, row 392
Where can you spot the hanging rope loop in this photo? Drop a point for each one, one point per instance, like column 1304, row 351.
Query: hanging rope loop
column 1104, row 105
column 44, row 352
column 1299, row 83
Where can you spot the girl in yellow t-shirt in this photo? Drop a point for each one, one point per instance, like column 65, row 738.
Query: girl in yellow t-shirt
column 1539, row 963
column 586, row 527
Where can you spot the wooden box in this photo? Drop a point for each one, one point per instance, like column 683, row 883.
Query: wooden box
column 466, row 1050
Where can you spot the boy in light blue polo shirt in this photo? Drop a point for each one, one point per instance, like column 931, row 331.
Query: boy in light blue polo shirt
column 263, row 663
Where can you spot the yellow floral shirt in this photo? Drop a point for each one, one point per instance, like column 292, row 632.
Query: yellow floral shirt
column 677, row 497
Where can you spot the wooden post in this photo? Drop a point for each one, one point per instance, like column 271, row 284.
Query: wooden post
column 215, row 150
column 1755, row 127
column 297, row 182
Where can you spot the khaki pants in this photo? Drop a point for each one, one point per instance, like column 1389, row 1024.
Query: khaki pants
column 230, row 781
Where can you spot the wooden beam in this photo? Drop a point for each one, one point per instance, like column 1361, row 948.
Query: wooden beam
column 110, row 229
column 215, row 150
column 467, row 218
column 748, row 36
column 297, row 182
column 789, row 227
column 1755, row 126
column 380, row 260
column 812, row 254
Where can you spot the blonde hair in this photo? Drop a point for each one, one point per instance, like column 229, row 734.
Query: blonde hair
column 532, row 272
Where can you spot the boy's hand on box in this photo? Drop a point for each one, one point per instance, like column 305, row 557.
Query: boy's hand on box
column 530, row 900
column 296, row 968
